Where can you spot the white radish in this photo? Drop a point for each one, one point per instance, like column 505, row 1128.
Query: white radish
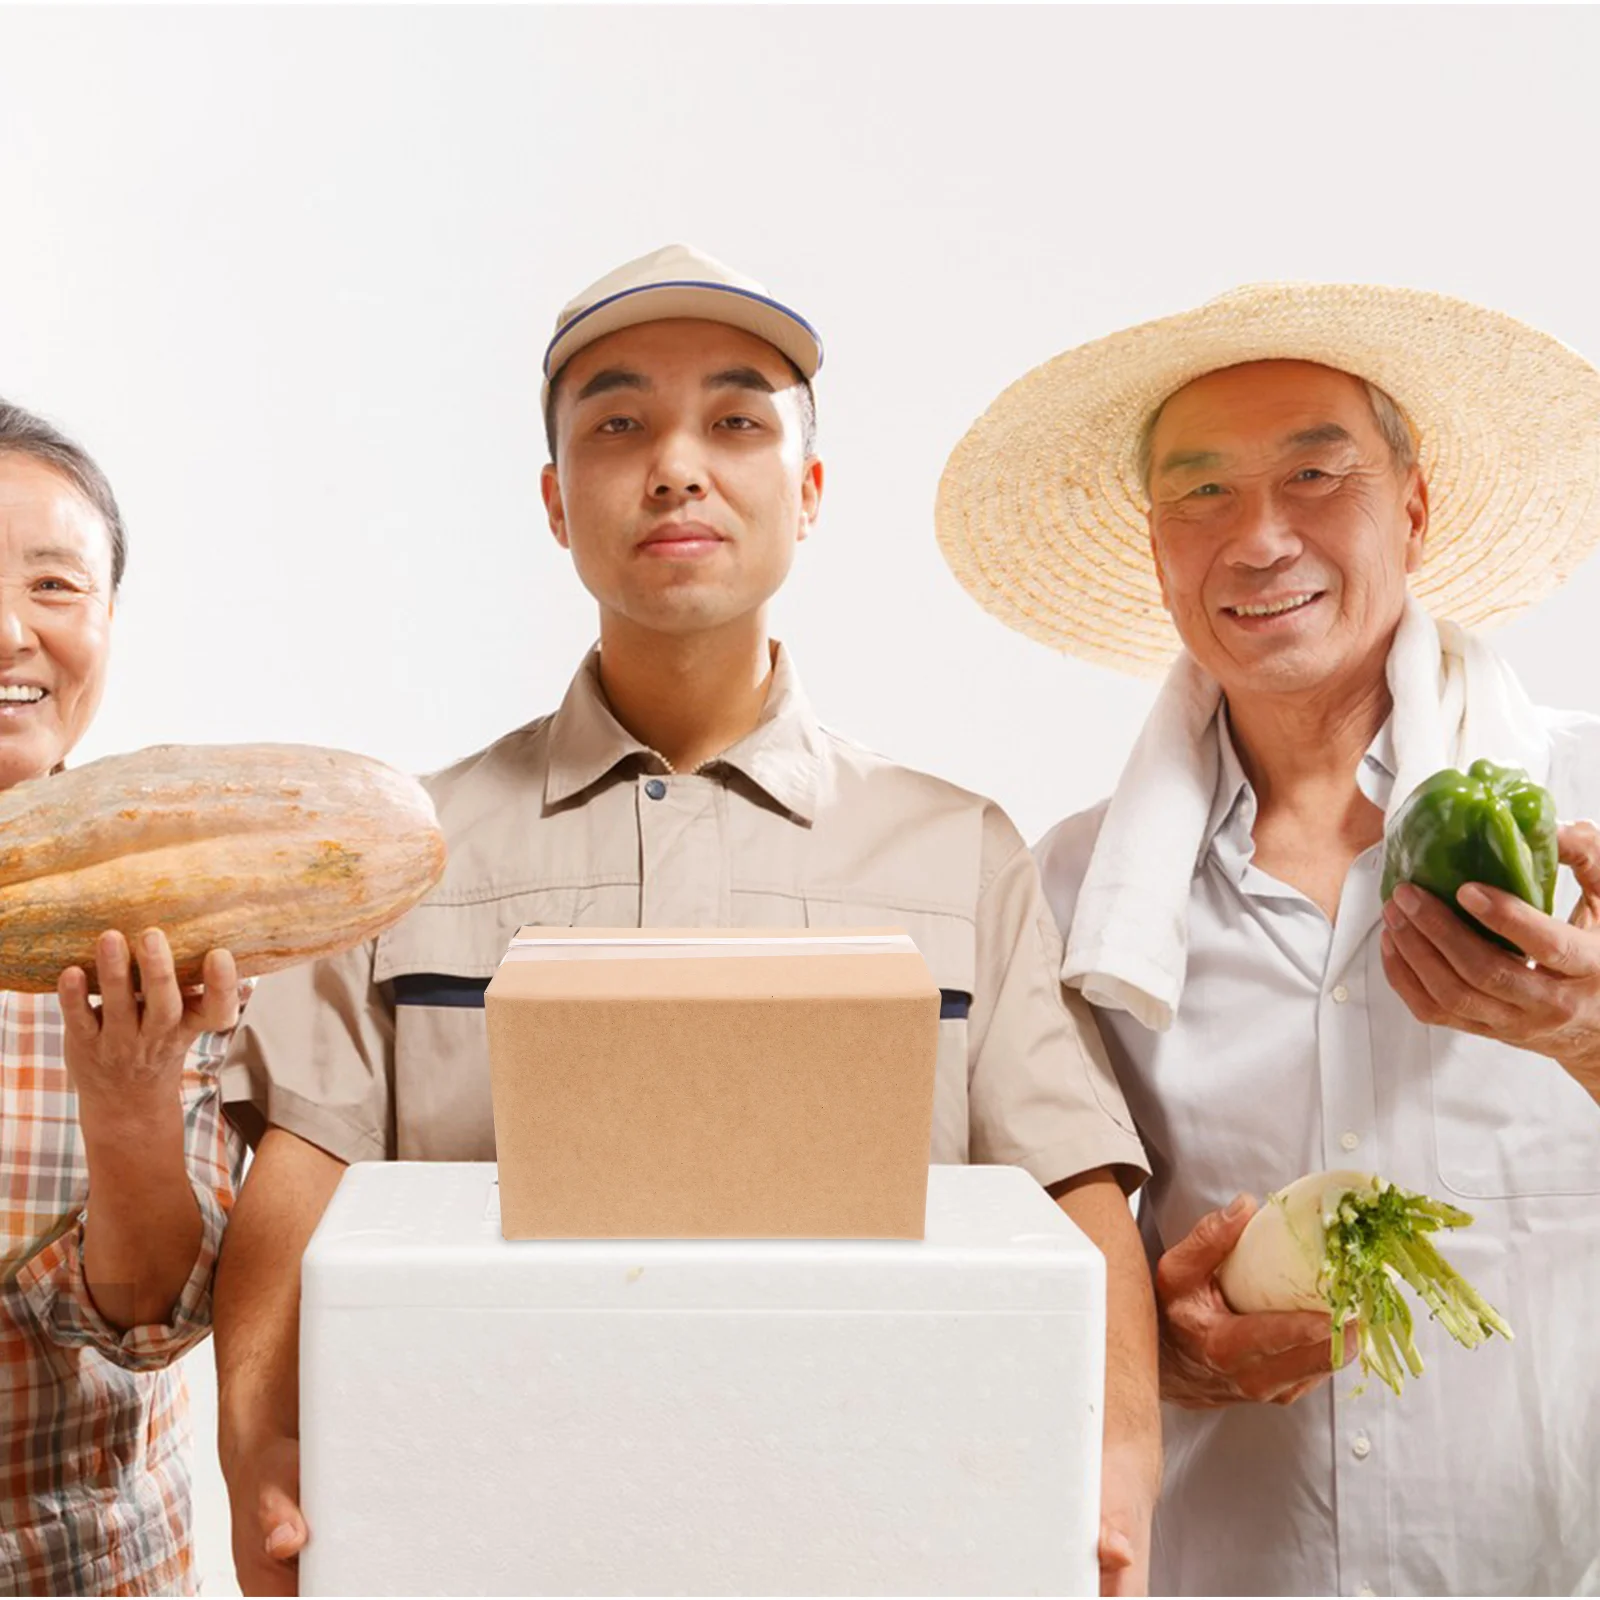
column 1343, row 1242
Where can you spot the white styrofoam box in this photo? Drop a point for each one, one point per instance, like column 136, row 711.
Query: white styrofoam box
column 698, row 1417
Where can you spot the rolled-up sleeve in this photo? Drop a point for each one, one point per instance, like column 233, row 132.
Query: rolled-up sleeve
column 1043, row 1095
column 314, row 1056
column 53, row 1282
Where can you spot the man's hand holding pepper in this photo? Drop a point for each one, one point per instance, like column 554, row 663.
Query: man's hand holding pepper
column 1452, row 977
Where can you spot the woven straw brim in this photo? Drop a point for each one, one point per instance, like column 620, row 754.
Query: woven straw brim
column 1043, row 518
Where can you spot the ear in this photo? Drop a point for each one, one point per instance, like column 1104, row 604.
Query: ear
column 1417, row 518
column 550, row 488
column 810, row 496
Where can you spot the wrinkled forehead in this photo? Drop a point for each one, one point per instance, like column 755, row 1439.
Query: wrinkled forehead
column 1264, row 386
column 44, row 516
column 1262, row 393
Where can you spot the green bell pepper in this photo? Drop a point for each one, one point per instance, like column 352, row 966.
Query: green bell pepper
column 1490, row 825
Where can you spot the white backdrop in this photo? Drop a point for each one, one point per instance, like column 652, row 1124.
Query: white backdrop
column 288, row 273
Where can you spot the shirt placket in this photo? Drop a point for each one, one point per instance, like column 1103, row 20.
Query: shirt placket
column 682, row 852
column 1361, row 1445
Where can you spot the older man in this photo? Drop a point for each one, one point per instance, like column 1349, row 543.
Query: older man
column 684, row 781
column 1298, row 476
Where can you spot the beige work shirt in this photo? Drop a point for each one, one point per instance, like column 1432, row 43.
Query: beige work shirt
column 572, row 822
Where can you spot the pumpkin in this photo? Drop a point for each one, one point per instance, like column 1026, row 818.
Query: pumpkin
column 278, row 853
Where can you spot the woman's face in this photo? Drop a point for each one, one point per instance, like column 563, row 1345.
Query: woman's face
column 55, row 616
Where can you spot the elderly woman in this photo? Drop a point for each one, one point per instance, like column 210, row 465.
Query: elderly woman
column 117, row 1169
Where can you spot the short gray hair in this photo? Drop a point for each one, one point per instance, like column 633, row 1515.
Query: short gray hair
column 24, row 434
column 1393, row 427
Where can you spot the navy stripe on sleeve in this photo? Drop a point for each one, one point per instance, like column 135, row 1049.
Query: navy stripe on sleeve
column 436, row 989
column 954, row 1005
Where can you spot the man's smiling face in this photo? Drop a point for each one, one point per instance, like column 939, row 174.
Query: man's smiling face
column 1282, row 526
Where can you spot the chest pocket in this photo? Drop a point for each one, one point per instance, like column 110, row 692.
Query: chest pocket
column 1508, row 1122
column 947, row 941
column 438, row 962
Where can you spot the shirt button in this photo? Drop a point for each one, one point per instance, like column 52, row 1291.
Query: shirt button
column 656, row 789
column 1340, row 994
column 1348, row 1141
column 1361, row 1447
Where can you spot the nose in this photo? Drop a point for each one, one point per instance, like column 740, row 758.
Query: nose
column 1263, row 535
column 678, row 472
column 16, row 630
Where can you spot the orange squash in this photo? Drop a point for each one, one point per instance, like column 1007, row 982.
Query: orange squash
column 278, row 853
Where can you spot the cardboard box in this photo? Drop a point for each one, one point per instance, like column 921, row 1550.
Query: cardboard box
column 694, row 1083
column 659, row 1416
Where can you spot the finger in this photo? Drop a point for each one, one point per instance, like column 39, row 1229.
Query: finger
column 1116, row 1549
column 1405, row 983
column 283, row 1529
column 119, row 1010
column 1299, row 1391
column 158, row 978
column 1578, row 845
column 1191, row 1262
column 216, row 1008
column 1276, row 1376
column 1556, row 945
column 1302, row 1339
column 1463, row 973
column 1116, row 1561
column 77, row 1015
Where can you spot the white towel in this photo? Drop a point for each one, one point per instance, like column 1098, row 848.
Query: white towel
column 1455, row 700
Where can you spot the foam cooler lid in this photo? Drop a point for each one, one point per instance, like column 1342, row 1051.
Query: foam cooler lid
column 428, row 1234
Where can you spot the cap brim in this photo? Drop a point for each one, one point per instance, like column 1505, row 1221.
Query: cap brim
column 767, row 319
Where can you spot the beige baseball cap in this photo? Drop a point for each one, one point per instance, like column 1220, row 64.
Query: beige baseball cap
column 678, row 281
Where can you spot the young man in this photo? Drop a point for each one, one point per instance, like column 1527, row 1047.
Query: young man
column 683, row 781
column 1289, row 473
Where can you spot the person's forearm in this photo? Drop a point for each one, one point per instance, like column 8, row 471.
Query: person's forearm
column 256, row 1306
column 143, row 1229
column 1133, row 1407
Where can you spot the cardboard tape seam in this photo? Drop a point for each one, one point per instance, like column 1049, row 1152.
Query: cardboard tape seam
column 558, row 949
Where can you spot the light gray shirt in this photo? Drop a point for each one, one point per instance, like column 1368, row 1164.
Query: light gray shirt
column 1290, row 1054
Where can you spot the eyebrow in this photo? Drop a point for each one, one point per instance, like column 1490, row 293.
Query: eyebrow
column 1323, row 433
column 1200, row 460
column 56, row 552
column 1195, row 459
column 609, row 379
column 740, row 378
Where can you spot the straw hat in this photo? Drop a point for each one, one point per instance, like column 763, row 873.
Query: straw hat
column 1042, row 515
column 678, row 281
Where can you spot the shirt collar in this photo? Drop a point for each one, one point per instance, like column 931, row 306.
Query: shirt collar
column 782, row 755
column 1230, row 828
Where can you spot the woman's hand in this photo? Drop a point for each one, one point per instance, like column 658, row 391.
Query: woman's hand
column 126, row 1057
column 143, row 1232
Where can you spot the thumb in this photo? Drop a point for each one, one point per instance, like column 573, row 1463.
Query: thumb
column 1579, row 846
column 283, row 1529
column 1116, row 1550
column 1190, row 1263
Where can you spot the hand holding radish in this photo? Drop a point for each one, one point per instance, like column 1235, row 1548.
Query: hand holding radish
column 1214, row 1356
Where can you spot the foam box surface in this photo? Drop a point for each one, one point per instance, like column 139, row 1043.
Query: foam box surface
column 698, row 1417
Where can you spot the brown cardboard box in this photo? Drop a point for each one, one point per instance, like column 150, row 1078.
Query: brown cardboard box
column 694, row 1083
